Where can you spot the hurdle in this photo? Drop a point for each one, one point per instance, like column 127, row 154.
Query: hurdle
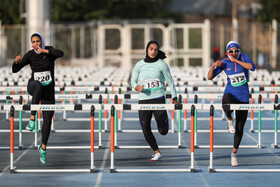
column 115, row 107
column 132, row 107
column 258, row 107
column 88, row 107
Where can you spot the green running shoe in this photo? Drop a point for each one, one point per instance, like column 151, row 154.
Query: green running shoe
column 43, row 154
column 30, row 126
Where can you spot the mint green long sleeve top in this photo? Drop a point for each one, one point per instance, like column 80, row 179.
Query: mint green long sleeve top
column 152, row 75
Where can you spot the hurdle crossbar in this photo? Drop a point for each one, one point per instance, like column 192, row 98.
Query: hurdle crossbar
column 114, row 107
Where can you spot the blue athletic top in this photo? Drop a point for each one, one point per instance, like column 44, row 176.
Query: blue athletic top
column 237, row 77
column 152, row 75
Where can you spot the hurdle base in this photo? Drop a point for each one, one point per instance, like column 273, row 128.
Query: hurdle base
column 210, row 170
column 192, row 170
column 259, row 146
column 112, row 170
column 20, row 147
column 251, row 131
column 92, row 170
column 12, row 171
column 100, row 147
column 186, row 131
column 179, row 146
column 274, row 146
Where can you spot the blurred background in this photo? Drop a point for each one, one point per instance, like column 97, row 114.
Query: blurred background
column 101, row 33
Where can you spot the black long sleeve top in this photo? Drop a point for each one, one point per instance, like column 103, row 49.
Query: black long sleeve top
column 39, row 62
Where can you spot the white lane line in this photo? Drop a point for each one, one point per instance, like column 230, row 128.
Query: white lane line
column 195, row 163
column 18, row 158
column 102, row 167
column 251, row 137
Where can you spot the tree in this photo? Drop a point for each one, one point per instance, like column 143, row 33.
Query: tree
column 269, row 10
column 83, row 10
column 10, row 12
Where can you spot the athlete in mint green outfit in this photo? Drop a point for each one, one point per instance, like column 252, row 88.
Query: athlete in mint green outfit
column 149, row 76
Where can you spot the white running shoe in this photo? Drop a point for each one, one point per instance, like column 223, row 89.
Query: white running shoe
column 234, row 162
column 156, row 157
column 230, row 125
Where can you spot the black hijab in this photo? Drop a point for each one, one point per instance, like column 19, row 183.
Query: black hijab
column 160, row 55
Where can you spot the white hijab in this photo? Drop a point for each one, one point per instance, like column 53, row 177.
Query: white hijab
column 42, row 40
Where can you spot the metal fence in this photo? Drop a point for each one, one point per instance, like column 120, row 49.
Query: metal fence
column 123, row 43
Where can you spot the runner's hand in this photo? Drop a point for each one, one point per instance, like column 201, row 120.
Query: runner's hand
column 18, row 58
column 139, row 88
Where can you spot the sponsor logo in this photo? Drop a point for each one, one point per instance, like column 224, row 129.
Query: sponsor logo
column 79, row 89
column 252, row 107
column 68, row 97
column 275, row 89
column 13, row 89
column 51, row 108
column 152, row 108
column 212, row 89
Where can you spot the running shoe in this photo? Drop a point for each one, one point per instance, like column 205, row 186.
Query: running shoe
column 234, row 162
column 30, row 126
column 156, row 157
column 230, row 125
column 43, row 154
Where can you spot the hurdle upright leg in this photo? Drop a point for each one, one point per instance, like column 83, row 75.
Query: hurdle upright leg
column 275, row 129
column 115, row 129
column 92, row 167
column 210, row 168
column 260, row 129
column 185, row 118
column 192, row 137
column 100, row 129
column 172, row 121
column 20, row 146
column 12, row 112
column 36, row 131
column 252, row 117
column 179, row 130
column 112, row 168
column 195, row 128
column 105, row 116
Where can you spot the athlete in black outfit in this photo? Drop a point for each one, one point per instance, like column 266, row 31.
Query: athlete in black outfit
column 41, row 84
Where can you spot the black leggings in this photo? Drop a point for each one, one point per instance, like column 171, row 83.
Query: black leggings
column 161, row 118
column 241, row 117
column 45, row 94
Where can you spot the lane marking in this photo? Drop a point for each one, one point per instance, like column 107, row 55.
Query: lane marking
column 195, row 163
column 102, row 167
column 31, row 147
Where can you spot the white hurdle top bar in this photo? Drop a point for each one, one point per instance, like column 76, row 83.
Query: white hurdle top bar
column 84, row 107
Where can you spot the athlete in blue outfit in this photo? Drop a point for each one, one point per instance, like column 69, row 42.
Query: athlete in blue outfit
column 236, row 65
column 148, row 78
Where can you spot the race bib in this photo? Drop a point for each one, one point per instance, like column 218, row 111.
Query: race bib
column 237, row 79
column 44, row 77
column 153, row 84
